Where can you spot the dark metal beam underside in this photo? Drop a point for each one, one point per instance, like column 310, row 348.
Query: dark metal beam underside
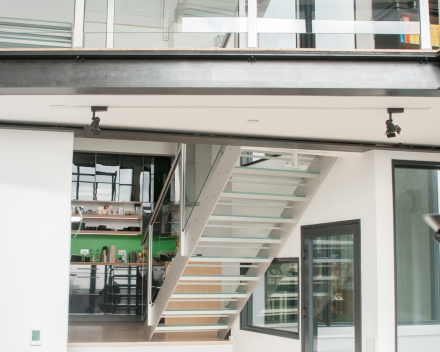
column 172, row 137
column 221, row 77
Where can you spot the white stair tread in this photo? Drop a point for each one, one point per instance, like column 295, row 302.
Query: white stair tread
column 199, row 311
column 251, row 218
column 228, row 259
column 218, row 278
column 257, row 171
column 199, row 327
column 239, row 239
column 209, row 295
column 262, row 196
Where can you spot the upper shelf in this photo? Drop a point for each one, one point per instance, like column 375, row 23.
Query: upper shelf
column 103, row 201
column 111, row 217
column 107, row 233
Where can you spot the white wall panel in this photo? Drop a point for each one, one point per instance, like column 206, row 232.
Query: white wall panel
column 35, row 182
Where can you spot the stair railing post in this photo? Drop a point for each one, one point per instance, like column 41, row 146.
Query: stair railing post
column 182, row 178
column 150, row 275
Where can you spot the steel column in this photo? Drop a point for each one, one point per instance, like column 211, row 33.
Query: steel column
column 183, row 244
column 252, row 24
column 150, row 276
column 425, row 26
column 78, row 26
column 110, row 23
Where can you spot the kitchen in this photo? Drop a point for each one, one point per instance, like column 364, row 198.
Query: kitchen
column 113, row 195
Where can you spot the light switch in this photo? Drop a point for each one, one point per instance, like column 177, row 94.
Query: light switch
column 35, row 337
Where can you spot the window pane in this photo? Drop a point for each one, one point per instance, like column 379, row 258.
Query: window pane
column 85, row 191
column 106, row 191
column 146, row 180
column 131, row 169
column 126, row 193
column 417, row 254
column 162, row 166
column 275, row 299
column 107, row 168
column 417, row 258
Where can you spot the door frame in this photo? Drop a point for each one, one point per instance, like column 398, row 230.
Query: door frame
column 319, row 230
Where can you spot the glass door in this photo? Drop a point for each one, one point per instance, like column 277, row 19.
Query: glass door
column 331, row 310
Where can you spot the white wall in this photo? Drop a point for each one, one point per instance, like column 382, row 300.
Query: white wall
column 357, row 187
column 35, row 182
column 121, row 146
column 349, row 180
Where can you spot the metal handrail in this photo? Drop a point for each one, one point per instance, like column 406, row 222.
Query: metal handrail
column 162, row 195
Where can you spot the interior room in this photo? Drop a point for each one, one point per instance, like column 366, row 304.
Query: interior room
column 287, row 212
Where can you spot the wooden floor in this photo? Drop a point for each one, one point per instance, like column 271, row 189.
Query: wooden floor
column 99, row 334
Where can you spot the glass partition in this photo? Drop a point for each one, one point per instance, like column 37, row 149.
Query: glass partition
column 210, row 24
column 162, row 24
column 344, row 24
column 95, row 24
column 200, row 159
column 274, row 305
column 417, row 265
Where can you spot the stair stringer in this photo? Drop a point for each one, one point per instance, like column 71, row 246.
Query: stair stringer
column 286, row 229
column 215, row 183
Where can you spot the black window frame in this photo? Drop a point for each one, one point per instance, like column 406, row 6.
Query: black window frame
column 421, row 165
column 246, row 313
column 320, row 230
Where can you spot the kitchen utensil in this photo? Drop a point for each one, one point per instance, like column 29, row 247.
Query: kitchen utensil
column 104, row 254
column 112, row 254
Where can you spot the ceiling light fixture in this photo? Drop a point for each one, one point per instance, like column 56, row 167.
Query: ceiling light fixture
column 253, row 121
column 94, row 126
column 391, row 127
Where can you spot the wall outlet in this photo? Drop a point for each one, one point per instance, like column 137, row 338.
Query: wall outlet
column 371, row 344
column 85, row 251
column 121, row 252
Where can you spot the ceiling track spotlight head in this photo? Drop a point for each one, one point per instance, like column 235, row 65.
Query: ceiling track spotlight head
column 392, row 129
column 94, row 126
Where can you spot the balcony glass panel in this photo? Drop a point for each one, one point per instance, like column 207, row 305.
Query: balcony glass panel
column 95, row 24
column 159, row 24
column 343, row 24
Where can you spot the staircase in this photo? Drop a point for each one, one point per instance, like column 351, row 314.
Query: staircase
column 242, row 217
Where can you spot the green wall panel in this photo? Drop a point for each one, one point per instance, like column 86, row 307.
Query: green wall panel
column 129, row 243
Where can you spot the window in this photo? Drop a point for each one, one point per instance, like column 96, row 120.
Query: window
column 416, row 192
column 273, row 307
column 113, row 177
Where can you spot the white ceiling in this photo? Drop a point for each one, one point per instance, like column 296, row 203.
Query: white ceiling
column 358, row 119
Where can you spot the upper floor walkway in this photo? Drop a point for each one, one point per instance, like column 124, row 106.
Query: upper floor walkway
column 348, row 25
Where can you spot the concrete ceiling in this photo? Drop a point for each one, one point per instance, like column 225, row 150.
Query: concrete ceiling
column 354, row 119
